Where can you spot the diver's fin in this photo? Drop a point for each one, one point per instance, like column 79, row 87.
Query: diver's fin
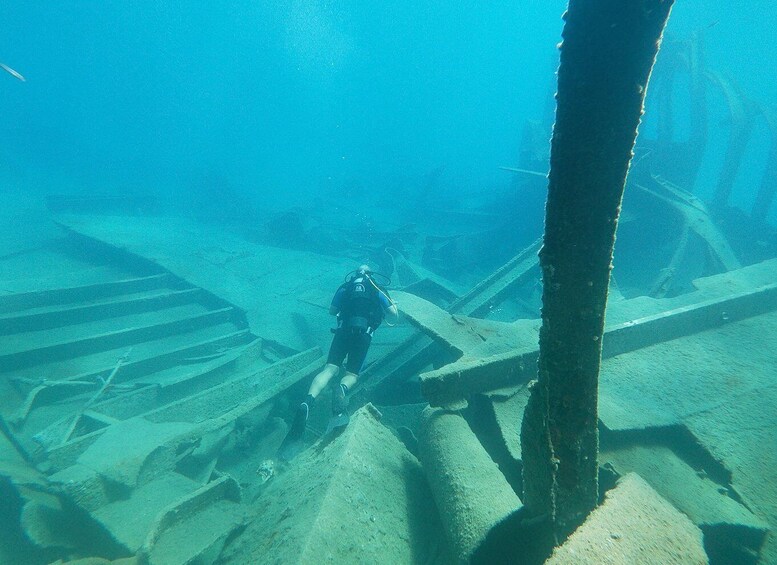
column 339, row 403
column 293, row 443
column 290, row 448
column 336, row 423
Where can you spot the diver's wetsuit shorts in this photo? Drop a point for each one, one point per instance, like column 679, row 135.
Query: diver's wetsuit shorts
column 350, row 342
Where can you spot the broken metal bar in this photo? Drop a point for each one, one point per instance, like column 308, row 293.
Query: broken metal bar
column 663, row 282
column 221, row 403
column 106, row 383
column 48, row 391
column 52, row 297
column 59, row 315
column 84, row 345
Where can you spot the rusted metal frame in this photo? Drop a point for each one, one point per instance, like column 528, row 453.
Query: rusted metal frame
column 66, row 314
column 688, row 54
column 742, row 112
column 696, row 217
column 210, row 405
column 451, row 385
column 765, row 196
column 45, row 391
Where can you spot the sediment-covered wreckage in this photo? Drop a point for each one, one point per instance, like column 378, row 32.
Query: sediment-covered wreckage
column 149, row 366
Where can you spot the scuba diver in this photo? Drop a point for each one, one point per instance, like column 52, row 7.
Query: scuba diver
column 360, row 306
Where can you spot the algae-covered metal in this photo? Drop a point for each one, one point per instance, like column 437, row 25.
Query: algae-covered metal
column 607, row 54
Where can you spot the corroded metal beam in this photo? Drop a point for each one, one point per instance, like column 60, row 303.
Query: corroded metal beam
column 722, row 299
column 607, row 54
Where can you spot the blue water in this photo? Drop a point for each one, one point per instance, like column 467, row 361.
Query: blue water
column 281, row 100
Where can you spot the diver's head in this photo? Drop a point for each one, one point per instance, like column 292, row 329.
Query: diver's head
column 364, row 270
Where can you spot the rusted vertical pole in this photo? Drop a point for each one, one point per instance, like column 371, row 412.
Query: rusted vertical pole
column 608, row 51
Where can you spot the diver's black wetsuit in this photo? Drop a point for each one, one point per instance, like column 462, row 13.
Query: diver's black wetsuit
column 360, row 310
column 360, row 307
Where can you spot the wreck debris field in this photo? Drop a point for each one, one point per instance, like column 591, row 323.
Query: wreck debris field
column 185, row 188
